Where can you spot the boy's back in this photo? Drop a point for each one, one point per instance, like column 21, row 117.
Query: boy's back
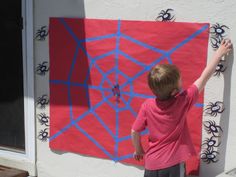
column 169, row 140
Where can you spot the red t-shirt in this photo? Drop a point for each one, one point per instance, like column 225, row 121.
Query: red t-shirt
column 169, row 138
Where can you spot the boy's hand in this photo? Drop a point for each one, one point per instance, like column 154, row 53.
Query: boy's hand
column 136, row 139
column 138, row 155
column 225, row 48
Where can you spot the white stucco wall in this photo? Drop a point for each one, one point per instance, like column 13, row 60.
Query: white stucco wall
column 52, row 164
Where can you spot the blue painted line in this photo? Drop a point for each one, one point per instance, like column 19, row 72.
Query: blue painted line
column 145, row 132
column 149, row 67
column 157, row 61
column 99, row 88
column 143, row 44
column 124, row 157
column 143, row 71
column 124, row 138
column 76, row 84
column 86, row 52
column 103, row 91
column 123, row 74
column 97, row 38
column 117, row 49
column 91, row 109
column 130, row 99
column 103, row 74
column 80, row 117
column 133, row 112
column 84, row 40
column 60, row 82
column 88, row 97
column 123, row 109
column 132, row 59
column 169, row 59
column 70, row 103
column 110, row 104
column 69, row 30
column 60, row 132
column 143, row 95
column 103, row 124
column 188, row 39
column 73, row 62
column 125, row 102
column 109, row 96
column 107, row 89
column 73, row 122
column 102, row 82
column 97, row 105
column 131, row 96
column 117, row 132
column 116, row 81
column 104, row 78
column 88, row 73
column 111, row 71
column 137, row 95
column 199, row 105
column 103, row 55
column 94, row 141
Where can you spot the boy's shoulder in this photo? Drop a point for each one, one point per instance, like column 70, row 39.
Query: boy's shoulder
column 149, row 101
column 189, row 90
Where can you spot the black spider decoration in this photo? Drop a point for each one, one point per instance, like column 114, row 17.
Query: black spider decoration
column 218, row 30
column 42, row 33
column 165, row 16
column 116, row 92
column 209, row 156
column 43, row 119
column 210, row 143
column 42, row 101
column 218, row 33
column 212, row 128
column 43, row 135
column 215, row 42
column 42, row 68
column 220, row 69
column 214, row 108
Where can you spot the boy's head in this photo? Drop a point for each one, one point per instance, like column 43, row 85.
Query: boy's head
column 164, row 80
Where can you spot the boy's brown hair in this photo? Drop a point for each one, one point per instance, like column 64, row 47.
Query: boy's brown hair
column 163, row 79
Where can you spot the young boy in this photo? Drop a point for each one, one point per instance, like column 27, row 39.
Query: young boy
column 165, row 118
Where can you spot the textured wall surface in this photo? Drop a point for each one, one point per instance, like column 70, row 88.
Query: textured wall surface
column 221, row 88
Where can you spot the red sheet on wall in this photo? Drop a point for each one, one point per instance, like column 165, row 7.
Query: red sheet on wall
column 98, row 71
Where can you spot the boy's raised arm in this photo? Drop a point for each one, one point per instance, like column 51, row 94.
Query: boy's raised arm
column 224, row 48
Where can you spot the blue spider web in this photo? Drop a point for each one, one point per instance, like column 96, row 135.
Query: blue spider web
column 105, row 99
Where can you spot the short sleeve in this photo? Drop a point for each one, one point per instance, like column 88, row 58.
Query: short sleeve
column 192, row 94
column 141, row 120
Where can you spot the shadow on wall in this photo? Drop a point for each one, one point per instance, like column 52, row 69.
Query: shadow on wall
column 224, row 120
column 214, row 169
column 68, row 61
